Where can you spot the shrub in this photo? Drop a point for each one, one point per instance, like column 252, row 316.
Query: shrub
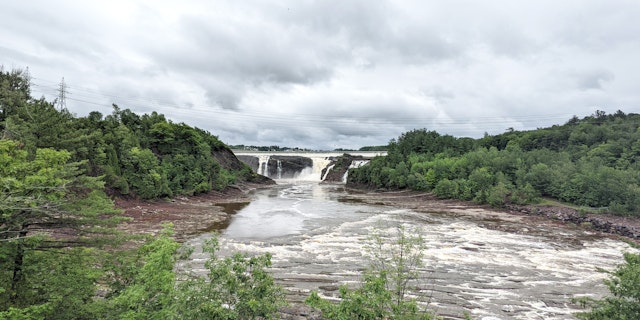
column 395, row 266
column 624, row 285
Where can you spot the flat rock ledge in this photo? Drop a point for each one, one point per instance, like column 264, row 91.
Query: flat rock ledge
column 623, row 226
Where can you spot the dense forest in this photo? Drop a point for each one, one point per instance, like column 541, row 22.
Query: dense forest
column 590, row 162
column 145, row 156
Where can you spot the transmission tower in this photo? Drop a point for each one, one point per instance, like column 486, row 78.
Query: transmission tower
column 62, row 95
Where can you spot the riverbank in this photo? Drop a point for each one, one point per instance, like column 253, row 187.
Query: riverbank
column 626, row 227
column 473, row 262
column 190, row 215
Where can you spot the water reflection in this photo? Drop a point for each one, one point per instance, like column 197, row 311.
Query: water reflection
column 229, row 208
column 232, row 207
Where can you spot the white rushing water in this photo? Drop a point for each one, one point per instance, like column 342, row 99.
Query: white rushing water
column 354, row 164
column 314, row 173
column 263, row 164
column 317, row 239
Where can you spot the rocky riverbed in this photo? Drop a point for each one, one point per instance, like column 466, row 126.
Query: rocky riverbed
column 190, row 215
column 460, row 244
column 195, row 214
column 627, row 228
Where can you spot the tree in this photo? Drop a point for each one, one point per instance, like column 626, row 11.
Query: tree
column 624, row 285
column 15, row 91
column 151, row 292
column 144, row 174
column 58, row 284
column 237, row 287
column 482, row 180
column 398, row 257
column 46, row 204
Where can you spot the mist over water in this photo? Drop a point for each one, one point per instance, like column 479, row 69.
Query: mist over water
column 318, row 238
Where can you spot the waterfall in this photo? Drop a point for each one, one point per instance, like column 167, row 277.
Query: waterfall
column 279, row 169
column 263, row 165
column 326, row 173
column 314, row 173
column 354, row 164
column 305, row 166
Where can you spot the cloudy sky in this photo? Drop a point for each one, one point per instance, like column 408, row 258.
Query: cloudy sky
column 332, row 74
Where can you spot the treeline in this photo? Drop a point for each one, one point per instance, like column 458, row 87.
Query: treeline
column 374, row 148
column 267, row 148
column 146, row 156
column 591, row 162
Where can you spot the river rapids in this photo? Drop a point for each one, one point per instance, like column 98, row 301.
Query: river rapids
column 318, row 238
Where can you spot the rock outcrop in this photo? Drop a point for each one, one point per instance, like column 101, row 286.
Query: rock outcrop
column 287, row 167
column 228, row 160
column 339, row 166
column 602, row 222
column 277, row 166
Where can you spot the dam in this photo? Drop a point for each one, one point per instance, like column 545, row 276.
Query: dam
column 306, row 166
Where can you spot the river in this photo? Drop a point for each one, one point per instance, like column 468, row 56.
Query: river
column 317, row 235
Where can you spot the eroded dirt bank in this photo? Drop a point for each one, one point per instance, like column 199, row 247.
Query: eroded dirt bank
column 190, row 215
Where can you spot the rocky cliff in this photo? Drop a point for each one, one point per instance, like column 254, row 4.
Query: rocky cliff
column 277, row 166
column 228, row 160
column 337, row 169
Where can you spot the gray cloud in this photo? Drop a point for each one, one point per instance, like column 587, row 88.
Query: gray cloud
column 595, row 79
column 322, row 74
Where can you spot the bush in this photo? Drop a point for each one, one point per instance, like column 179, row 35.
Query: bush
column 624, row 285
column 395, row 266
column 447, row 189
column 499, row 195
column 237, row 287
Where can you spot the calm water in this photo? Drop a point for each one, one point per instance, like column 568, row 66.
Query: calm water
column 318, row 240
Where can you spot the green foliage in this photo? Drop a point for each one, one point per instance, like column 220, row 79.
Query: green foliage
column 372, row 301
column 395, row 267
column 145, row 176
column 15, row 90
column 50, row 214
column 590, row 162
column 151, row 291
column 140, row 284
column 55, row 215
column 447, row 189
column 398, row 257
column 58, row 284
column 237, row 287
column 373, row 148
column 224, row 178
column 624, row 284
column 145, row 156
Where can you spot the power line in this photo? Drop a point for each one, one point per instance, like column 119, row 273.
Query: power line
column 89, row 96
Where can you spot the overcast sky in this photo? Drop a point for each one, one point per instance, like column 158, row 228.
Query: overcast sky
column 332, row 74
